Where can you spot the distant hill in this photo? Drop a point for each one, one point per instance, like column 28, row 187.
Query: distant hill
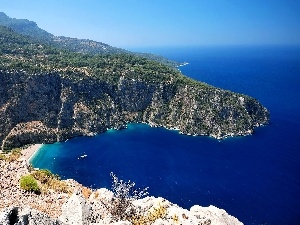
column 30, row 28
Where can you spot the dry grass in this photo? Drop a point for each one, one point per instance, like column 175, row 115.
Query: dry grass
column 86, row 192
column 2, row 156
column 175, row 218
column 14, row 155
column 96, row 195
column 48, row 181
column 151, row 217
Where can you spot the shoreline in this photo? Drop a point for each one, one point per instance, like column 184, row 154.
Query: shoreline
column 29, row 152
column 182, row 64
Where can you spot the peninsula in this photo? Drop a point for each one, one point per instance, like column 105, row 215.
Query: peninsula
column 49, row 93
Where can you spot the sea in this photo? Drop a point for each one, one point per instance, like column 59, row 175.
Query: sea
column 255, row 178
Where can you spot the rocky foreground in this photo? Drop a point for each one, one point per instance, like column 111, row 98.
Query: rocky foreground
column 81, row 205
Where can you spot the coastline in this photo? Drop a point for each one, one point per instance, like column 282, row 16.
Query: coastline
column 29, row 152
column 182, row 64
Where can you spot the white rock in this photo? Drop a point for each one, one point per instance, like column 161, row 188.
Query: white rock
column 217, row 216
column 122, row 223
column 76, row 211
column 25, row 216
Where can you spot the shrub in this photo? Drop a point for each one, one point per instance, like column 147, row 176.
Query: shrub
column 2, row 157
column 121, row 207
column 43, row 175
column 28, row 183
column 57, row 185
column 126, row 190
column 50, row 181
column 14, row 155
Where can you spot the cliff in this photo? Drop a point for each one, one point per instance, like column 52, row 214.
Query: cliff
column 49, row 95
column 45, row 108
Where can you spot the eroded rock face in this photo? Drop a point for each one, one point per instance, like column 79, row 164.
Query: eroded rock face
column 26, row 216
column 45, row 108
column 77, row 211
column 95, row 210
column 177, row 215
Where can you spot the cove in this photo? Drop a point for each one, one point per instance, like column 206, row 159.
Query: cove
column 184, row 169
column 254, row 178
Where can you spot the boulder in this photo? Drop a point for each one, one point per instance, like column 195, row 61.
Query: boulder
column 76, row 211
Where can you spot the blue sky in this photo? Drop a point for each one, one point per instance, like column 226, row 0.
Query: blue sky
column 149, row 23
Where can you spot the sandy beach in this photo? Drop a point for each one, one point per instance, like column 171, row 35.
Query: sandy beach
column 30, row 151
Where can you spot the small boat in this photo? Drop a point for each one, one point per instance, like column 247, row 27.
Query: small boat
column 82, row 156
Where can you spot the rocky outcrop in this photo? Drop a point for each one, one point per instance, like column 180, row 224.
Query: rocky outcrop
column 172, row 213
column 196, row 215
column 84, row 206
column 12, row 195
column 44, row 108
column 79, row 211
column 26, row 216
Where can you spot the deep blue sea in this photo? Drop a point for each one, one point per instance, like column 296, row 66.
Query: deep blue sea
column 254, row 178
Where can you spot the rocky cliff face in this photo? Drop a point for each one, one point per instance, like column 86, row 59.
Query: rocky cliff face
column 80, row 211
column 44, row 108
column 79, row 205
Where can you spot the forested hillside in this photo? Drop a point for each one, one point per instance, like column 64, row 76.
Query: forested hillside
column 49, row 94
column 30, row 28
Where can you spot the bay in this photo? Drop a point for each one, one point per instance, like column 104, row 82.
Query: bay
column 254, row 178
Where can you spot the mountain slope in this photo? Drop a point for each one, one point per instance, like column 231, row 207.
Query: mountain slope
column 29, row 28
column 49, row 94
column 25, row 27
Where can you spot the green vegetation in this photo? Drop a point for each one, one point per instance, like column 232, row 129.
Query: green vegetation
column 112, row 90
column 25, row 27
column 41, row 181
column 28, row 183
column 44, row 175
column 49, row 180
column 30, row 29
column 21, row 53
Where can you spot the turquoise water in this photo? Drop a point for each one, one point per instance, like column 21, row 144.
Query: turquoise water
column 254, row 178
